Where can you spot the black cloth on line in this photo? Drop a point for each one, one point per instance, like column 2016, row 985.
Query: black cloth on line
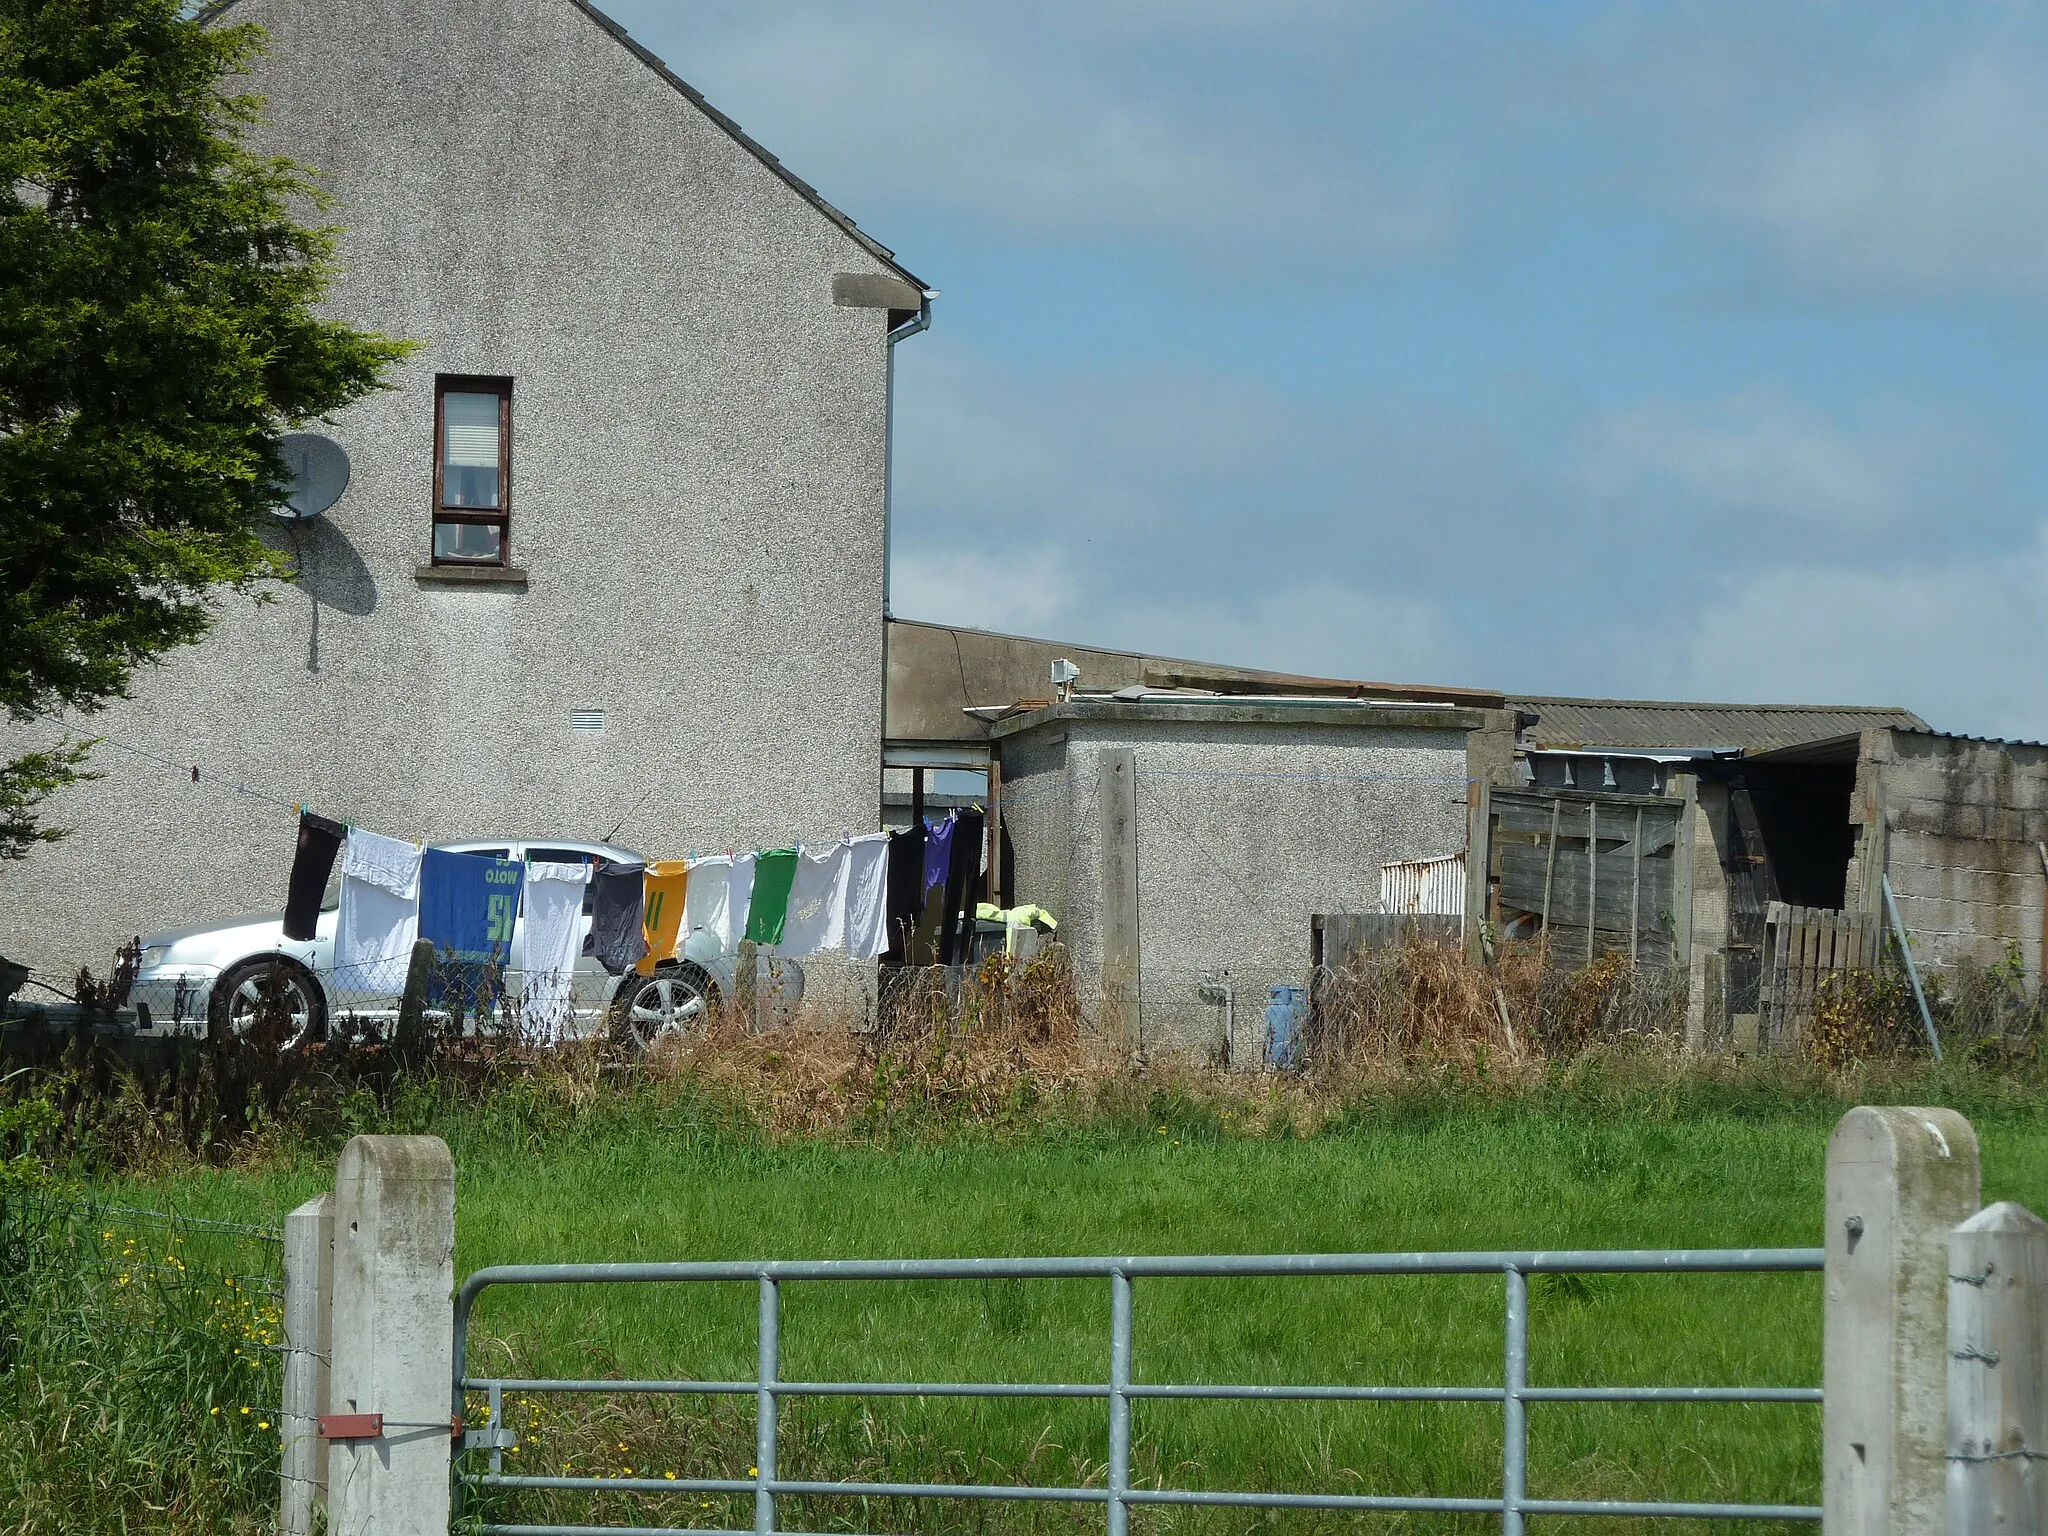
column 312, row 864
column 963, row 889
column 615, row 940
column 906, row 875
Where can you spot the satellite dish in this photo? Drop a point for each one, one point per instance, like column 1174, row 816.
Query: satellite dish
column 318, row 470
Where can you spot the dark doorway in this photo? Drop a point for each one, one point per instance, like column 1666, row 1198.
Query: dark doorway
column 1802, row 810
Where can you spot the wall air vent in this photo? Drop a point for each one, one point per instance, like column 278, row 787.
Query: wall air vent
column 587, row 722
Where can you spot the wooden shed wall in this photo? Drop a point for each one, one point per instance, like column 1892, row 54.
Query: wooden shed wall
column 1575, row 859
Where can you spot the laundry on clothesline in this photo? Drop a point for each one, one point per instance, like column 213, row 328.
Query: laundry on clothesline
column 380, row 911
column 554, row 910
column 904, row 896
column 469, row 905
column 664, row 899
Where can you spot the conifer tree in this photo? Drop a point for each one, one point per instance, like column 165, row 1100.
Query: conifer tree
column 159, row 332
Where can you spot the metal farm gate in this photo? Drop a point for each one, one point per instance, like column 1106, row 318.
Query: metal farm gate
column 1124, row 1388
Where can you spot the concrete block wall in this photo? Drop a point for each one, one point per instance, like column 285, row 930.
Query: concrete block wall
column 1038, row 821
column 1251, row 818
column 1963, row 824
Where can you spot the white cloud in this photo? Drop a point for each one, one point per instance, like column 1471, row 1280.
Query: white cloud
column 1965, row 644
column 1761, row 451
column 1934, row 182
column 1016, row 590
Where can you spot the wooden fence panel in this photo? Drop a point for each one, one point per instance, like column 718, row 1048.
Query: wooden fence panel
column 1803, row 947
column 1594, row 872
column 1337, row 936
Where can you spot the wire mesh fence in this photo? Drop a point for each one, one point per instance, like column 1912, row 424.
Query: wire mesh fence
column 1419, row 998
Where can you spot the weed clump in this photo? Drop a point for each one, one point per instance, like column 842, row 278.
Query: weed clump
column 139, row 1383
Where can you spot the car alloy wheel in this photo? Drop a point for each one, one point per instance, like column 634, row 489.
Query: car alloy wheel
column 672, row 1003
column 250, row 988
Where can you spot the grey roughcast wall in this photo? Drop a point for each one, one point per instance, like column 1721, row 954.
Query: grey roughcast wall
column 698, row 464
column 1251, row 817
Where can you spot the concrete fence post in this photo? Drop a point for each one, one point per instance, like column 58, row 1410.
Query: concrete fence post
column 1898, row 1181
column 1997, row 1426
column 1122, row 955
column 308, row 1313
column 388, row 1428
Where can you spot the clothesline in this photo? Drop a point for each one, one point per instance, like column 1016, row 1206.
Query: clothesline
column 235, row 786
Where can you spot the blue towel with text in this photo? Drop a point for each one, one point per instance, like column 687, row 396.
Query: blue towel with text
column 469, row 904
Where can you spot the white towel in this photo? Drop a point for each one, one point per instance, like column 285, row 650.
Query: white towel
column 707, row 899
column 817, row 903
column 550, row 940
column 739, row 901
column 867, row 896
column 380, row 913
column 715, row 902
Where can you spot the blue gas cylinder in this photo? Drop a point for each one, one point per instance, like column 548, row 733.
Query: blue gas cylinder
column 1286, row 1013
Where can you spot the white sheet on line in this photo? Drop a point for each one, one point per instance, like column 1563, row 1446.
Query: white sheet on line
column 817, row 903
column 551, row 939
column 380, row 913
column 867, row 896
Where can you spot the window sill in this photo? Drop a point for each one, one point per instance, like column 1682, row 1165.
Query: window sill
column 471, row 575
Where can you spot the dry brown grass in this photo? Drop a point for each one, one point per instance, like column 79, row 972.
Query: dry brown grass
column 1424, row 1003
column 990, row 1044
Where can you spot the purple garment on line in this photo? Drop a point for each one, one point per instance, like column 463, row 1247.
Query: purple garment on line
column 938, row 853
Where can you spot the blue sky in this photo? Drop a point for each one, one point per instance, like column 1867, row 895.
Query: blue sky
column 1669, row 350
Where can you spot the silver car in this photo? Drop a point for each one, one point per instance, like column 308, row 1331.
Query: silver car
column 188, row 977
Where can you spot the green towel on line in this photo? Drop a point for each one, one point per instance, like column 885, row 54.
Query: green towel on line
column 769, row 910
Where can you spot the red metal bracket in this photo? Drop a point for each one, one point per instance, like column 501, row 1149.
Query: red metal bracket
column 351, row 1426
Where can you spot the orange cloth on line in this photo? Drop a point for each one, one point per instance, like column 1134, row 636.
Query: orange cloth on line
column 661, row 912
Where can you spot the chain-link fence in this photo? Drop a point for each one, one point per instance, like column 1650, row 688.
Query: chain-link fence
column 1420, row 999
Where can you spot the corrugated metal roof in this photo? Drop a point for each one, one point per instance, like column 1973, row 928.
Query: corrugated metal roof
column 1564, row 722
column 1989, row 741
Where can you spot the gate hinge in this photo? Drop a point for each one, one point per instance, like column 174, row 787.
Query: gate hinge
column 370, row 1426
column 351, row 1426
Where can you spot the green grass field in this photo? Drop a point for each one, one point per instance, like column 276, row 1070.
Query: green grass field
column 677, row 1179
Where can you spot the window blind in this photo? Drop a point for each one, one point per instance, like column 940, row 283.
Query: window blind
column 472, row 430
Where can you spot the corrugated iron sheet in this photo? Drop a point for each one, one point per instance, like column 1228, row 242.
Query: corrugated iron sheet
column 1426, row 886
column 1566, row 722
